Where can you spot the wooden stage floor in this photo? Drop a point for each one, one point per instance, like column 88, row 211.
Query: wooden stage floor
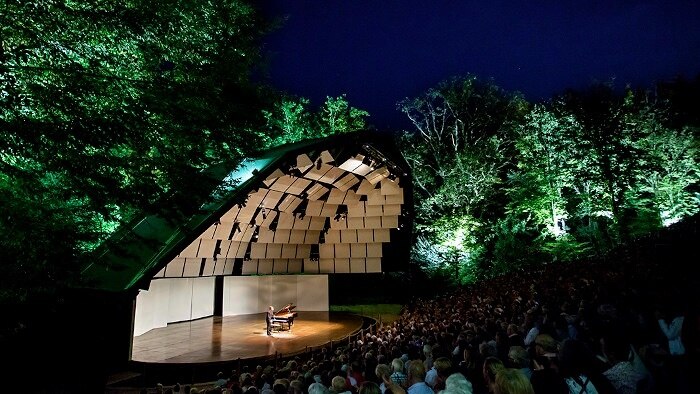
column 215, row 339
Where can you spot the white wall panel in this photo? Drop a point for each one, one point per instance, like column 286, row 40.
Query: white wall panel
column 241, row 295
column 202, row 297
column 312, row 293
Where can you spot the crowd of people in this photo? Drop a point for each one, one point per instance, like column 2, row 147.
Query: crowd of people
column 608, row 326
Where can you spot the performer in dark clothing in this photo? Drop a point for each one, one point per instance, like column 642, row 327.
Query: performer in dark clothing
column 268, row 319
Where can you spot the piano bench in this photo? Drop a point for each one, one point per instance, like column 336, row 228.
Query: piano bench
column 275, row 327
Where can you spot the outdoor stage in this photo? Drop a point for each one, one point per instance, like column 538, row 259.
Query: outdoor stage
column 220, row 339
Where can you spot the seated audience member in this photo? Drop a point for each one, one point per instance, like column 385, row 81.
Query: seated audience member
column 338, row 385
column 382, row 370
column 577, row 366
column 397, row 374
column 221, row 381
column 296, row 387
column 416, row 379
column 369, row 388
column 518, row 358
column 442, row 367
column 512, row 381
column 318, row 388
column 457, row 384
column 514, row 336
column 492, row 365
column 624, row 376
column 546, row 346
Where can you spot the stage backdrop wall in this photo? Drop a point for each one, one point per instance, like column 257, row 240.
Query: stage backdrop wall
column 253, row 294
column 173, row 300
column 181, row 299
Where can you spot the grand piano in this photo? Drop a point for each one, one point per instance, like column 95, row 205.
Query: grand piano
column 286, row 316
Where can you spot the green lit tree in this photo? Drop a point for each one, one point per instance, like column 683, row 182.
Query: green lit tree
column 668, row 186
column 458, row 152
column 543, row 170
column 290, row 119
column 539, row 189
column 604, row 155
column 106, row 107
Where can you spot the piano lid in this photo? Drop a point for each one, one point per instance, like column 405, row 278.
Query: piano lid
column 285, row 309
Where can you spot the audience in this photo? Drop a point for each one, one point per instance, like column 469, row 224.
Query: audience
column 562, row 328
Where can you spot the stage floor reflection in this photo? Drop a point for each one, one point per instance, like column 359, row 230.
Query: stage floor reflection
column 214, row 339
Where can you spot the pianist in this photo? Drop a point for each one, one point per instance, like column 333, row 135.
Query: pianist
column 268, row 318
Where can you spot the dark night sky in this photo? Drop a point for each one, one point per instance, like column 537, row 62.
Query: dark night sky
column 378, row 52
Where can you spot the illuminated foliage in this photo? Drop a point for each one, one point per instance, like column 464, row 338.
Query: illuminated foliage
column 458, row 153
column 570, row 178
column 107, row 107
column 291, row 120
column 544, row 170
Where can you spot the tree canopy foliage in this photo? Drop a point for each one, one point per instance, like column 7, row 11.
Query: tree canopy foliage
column 112, row 108
column 501, row 183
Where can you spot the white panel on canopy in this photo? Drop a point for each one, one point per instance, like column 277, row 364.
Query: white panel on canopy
column 374, row 265
column 192, row 267
column 191, row 249
column 346, row 182
column 257, row 251
column 316, row 191
column 282, row 236
column 272, row 177
column 342, row 250
column 289, row 251
column 358, row 250
column 365, row 187
column 264, row 267
column 336, row 197
column 348, row 236
column 357, row 266
column 390, row 187
column 289, row 204
column 303, row 162
column 299, row 185
column 206, row 248
column 342, row 266
column 223, row 230
column 352, row 163
column 311, row 266
column 175, row 268
column 294, row 266
column 274, row 251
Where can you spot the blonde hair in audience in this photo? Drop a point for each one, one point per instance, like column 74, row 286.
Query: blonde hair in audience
column 512, row 381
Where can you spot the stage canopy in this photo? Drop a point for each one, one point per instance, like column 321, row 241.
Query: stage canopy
column 339, row 205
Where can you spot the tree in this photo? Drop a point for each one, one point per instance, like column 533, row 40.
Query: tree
column 604, row 153
column 108, row 107
column 290, row 119
column 458, row 152
column 544, row 171
column 672, row 170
